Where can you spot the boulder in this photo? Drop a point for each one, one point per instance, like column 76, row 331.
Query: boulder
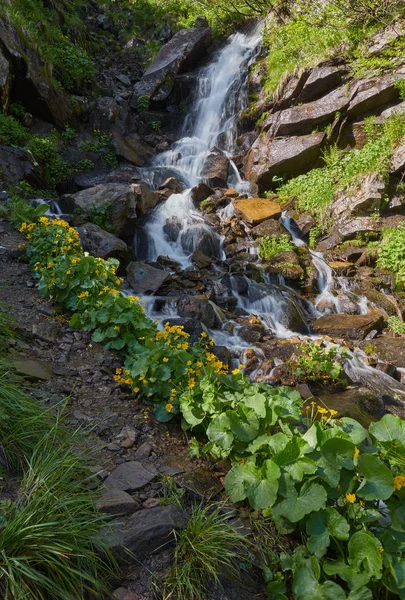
column 146, row 531
column 124, row 173
column 321, row 80
column 201, row 192
column 397, row 165
column 171, row 184
column 348, row 230
column 105, row 113
column 352, row 327
column 84, row 180
column 197, row 307
column 33, row 369
column 215, row 169
column 101, row 243
column 269, row 227
column 16, row 165
column 384, row 38
column 145, row 279
column 132, row 149
column 302, row 119
column 291, row 156
column 256, row 210
column 203, row 239
column 286, row 93
column 201, row 260
column 365, row 199
column 180, row 54
column 116, row 502
column 130, row 476
column 5, row 81
column 388, row 349
column 373, row 93
column 305, row 221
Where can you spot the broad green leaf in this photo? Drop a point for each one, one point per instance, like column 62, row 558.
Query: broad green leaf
column 312, row 497
column 290, row 453
column 161, row 413
column 389, row 428
column 278, row 442
column 323, row 524
column 353, row 430
column 378, row 483
column 303, row 466
column 263, row 493
column 219, row 431
column 306, row 577
column 363, row 593
column 332, row 591
column 354, row 579
column 364, row 555
column 191, row 412
column 243, row 423
column 257, row 402
column 240, row 479
column 339, row 452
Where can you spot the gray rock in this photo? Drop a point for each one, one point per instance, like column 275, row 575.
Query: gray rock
column 16, row 165
column 215, row 169
column 397, row 165
column 124, row 173
column 180, row 54
column 269, row 227
column 33, row 369
column 197, row 307
column 102, row 244
column 130, row 476
column 201, row 483
column 146, row 531
column 105, row 114
column 201, row 192
column 365, row 199
column 303, row 119
column 133, row 149
column 384, row 38
column 145, row 279
column 86, row 180
column 373, row 93
column 124, row 79
column 349, row 229
column 289, row 156
column 117, row 502
column 353, row 327
column 321, row 80
column 305, row 222
column 201, row 21
column 4, row 81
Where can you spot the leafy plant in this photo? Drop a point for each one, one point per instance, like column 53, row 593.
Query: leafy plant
column 391, row 253
column 270, row 245
column 69, row 134
column 44, row 150
column 11, row 131
column 396, row 325
column 318, row 364
column 209, row 545
column 97, row 214
column 155, row 125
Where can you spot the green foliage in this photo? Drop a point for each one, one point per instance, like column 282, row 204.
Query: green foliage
column 155, row 125
column 143, row 103
column 16, row 110
column 20, row 211
column 270, row 245
column 11, row 131
column 318, row 364
column 396, row 325
column 208, row 546
column 68, row 134
column 391, row 253
column 72, row 65
column 45, row 151
column 97, row 214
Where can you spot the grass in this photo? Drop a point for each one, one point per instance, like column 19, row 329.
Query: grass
column 271, row 245
column 209, row 546
column 396, row 325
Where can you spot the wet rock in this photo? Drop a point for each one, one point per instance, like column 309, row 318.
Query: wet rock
column 372, row 93
column 146, row 199
column 133, row 149
column 180, row 54
column 130, row 476
column 287, row 264
column 269, row 227
column 303, row 119
column 251, row 333
column 5, row 81
column 86, row 180
column 146, row 531
column 387, row 349
column 201, row 192
column 275, row 157
column 124, row 173
column 223, row 354
column 342, row 268
column 16, row 165
column 321, row 80
column 353, row 327
column 200, row 483
column 377, row 298
column 215, row 169
column 33, row 369
column 197, row 307
column 256, row 210
column 191, row 326
column 102, row 244
column 202, row 239
column 201, row 260
column 365, row 199
column 145, row 279
column 358, row 403
column 171, row 184
column 117, row 502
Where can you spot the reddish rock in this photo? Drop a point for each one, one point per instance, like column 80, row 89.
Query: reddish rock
column 353, row 327
column 373, row 93
column 256, row 210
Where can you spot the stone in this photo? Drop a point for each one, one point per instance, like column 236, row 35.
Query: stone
column 373, row 93
column 291, row 156
column 202, row 239
column 145, row 279
column 384, row 38
column 105, row 114
column 173, row 185
column 130, row 476
column 215, row 169
column 201, row 192
column 305, row 221
column 101, row 243
column 151, row 503
column 117, row 502
column 197, row 307
column 358, row 403
column 86, row 180
column 353, row 327
column 256, row 210
column 146, row 199
column 349, row 229
column 124, row 594
column 128, row 437
column 33, row 369
column 144, row 451
column 388, row 349
column 16, row 165
column 362, row 200
column 146, row 531
column 133, row 149
column 397, row 165
column 179, row 55
column 269, row 227
column 201, row 21
column 124, row 173
column 321, row 80
column 302, row 119
column 396, row 204
column 200, row 483
column 288, row 91
column 201, row 260
column 5, row 82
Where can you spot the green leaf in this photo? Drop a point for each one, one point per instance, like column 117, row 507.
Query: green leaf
column 364, row 555
column 323, row 524
column 257, row 402
column 388, row 429
column 219, row 431
column 239, row 480
column 339, row 452
column 354, row 579
column 290, row 453
column 191, row 412
column 378, row 483
column 353, row 430
column 161, row 413
column 363, row 593
column 312, row 497
column 303, row 466
column 243, row 423
column 263, row 493
column 98, row 336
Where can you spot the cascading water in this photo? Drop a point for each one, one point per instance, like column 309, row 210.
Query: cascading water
column 176, row 228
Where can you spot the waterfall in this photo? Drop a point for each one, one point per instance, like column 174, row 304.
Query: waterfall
column 176, row 228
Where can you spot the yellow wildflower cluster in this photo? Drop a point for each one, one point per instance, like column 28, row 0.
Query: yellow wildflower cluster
column 123, row 377
column 324, row 412
column 83, row 294
column 351, row 498
column 399, row 482
column 27, row 228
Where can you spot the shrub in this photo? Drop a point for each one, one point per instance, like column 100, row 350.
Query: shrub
column 396, row 325
column 11, row 131
column 270, row 245
column 44, row 149
column 318, row 364
column 96, row 213
column 391, row 253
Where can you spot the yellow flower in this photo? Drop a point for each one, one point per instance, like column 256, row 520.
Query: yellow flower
column 362, row 503
column 169, row 407
column 356, row 452
column 204, row 334
column 165, row 359
column 235, row 372
column 380, row 549
column 83, row 294
column 136, row 390
column 351, row 498
column 399, row 482
column 333, row 412
column 116, row 327
column 323, row 411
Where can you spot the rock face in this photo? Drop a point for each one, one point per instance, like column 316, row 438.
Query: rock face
column 363, row 201
column 274, row 157
column 197, row 307
column 145, row 279
column 117, row 502
column 100, row 243
column 215, row 169
column 15, row 165
column 132, row 149
column 269, row 227
column 181, row 53
column 398, row 160
column 388, row 349
column 349, row 229
column 256, row 210
column 4, row 81
column 322, row 79
column 372, row 93
column 353, row 327
column 302, row 119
